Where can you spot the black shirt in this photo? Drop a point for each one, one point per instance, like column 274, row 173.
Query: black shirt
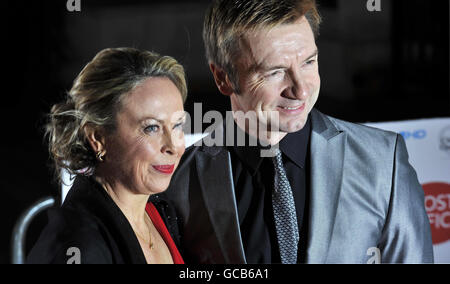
column 254, row 181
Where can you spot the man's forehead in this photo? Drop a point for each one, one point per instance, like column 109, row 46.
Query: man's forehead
column 262, row 49
column 300, row 26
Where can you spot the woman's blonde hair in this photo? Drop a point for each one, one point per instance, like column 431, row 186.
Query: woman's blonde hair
column 95, row 98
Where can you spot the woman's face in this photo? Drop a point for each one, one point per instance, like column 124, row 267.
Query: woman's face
column 145, row 149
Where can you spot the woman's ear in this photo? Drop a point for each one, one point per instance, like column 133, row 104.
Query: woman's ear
column 95, row 138
column 222, row 81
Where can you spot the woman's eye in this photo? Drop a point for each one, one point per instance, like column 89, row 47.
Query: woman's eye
column 178, row 125
column 151, row 128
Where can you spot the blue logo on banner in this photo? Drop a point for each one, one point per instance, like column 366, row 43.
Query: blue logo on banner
column 445, row 139
column 418, row 134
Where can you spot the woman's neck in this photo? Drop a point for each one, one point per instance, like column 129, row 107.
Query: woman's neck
column 130, row 203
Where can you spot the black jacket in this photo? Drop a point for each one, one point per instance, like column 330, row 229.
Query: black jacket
column 89, row 222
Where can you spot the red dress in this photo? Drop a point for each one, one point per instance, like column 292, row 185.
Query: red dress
column 162, row 229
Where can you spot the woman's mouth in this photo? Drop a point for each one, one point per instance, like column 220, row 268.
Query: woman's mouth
column 165, row 169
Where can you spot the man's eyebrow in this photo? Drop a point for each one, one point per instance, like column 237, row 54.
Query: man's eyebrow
column 314, row 54
column 263, row 67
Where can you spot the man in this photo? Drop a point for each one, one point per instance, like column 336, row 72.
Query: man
column 335, row 192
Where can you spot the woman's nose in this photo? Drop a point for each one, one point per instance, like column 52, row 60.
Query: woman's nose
column 168, row 146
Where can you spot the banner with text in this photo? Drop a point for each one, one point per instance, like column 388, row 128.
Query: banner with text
column 428, row 143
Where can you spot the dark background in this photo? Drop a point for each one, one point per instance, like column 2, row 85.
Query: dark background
column 375, row 66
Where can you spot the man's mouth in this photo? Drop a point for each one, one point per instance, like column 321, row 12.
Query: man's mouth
column 292, row 109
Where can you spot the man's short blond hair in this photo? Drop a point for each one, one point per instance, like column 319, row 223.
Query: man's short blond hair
column 226, row 21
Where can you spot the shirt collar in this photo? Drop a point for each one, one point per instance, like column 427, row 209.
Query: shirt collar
column 293, row 145
column 249, row 155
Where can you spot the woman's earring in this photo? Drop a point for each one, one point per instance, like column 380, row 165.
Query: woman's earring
column 100, row 156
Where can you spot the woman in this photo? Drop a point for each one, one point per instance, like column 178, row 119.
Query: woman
column 120, row 133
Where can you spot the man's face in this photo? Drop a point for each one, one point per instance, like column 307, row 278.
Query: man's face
column 278, row 71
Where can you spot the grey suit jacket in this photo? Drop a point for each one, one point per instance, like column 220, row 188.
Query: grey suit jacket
column 366, row 203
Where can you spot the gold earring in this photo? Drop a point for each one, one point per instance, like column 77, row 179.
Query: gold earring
column 100, row 156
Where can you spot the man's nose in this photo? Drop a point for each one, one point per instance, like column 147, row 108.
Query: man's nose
column 299, row 86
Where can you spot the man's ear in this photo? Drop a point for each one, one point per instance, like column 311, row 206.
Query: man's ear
column 222, row 80
column 95, row 138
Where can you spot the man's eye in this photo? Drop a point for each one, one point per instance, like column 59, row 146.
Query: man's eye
column 151, row 128
column 310, row 62
column 275, row 73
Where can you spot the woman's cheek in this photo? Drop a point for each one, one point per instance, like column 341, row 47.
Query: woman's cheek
column 149, row 150
column 178, row 140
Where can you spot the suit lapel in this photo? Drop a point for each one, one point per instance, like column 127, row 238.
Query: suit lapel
column 87, row 194
column 216, row 182
column 327, row 163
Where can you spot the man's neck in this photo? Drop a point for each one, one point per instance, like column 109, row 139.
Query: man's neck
column 262, row 134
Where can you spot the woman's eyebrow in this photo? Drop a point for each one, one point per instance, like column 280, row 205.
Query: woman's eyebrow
column 160, row 120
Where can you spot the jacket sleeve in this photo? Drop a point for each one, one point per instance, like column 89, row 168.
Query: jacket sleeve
column 406, row 237
column 69, row 239
column 83, row 249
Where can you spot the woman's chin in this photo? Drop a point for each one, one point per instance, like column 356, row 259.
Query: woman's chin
column 160, row 188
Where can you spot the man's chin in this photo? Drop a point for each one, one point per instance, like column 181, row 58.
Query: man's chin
column 293, row 126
